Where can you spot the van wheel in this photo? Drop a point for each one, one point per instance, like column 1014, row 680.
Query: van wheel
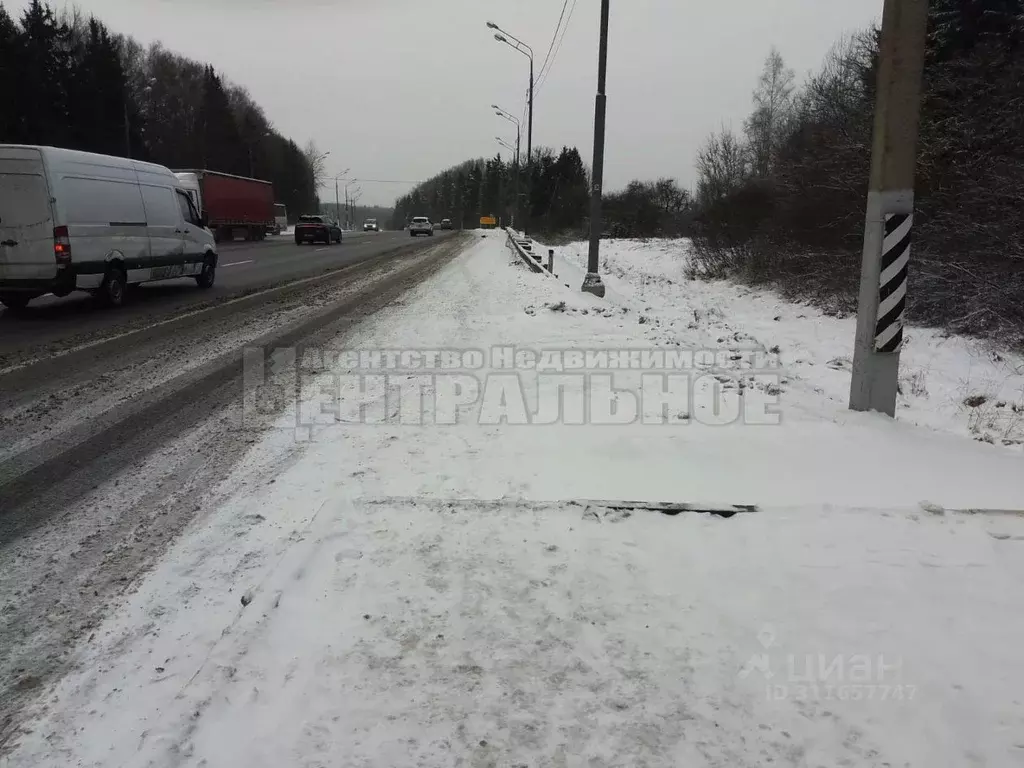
column 15, row 301
column 207, row 277
column 114, row 287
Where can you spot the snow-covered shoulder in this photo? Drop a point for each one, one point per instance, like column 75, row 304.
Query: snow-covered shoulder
column 446, row 553
column 947, row 382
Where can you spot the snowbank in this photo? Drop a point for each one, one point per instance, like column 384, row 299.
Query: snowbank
column 949, row 383
column 437, row 594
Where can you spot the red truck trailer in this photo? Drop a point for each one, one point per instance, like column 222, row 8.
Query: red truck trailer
column 232, row 203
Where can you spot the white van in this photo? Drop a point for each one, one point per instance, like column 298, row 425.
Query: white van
column 78, row 221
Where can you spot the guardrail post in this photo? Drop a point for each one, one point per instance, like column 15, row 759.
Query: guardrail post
column 551, row 260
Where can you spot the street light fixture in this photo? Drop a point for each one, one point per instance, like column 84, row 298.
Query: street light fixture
column 518, row 45
column 337, row 197
column 513, row 119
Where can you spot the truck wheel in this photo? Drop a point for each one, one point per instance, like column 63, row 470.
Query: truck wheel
column 206, row 278
column 15, row 301
column 113, row 288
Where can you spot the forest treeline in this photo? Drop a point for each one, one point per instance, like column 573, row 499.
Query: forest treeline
column 77, row 84
column 783, row 202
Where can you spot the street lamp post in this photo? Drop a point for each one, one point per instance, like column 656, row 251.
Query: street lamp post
column 348, row 203
column 317, row 168
column 592, row 282
column 353, row 181
column 356, row 195
column 515, row 190
column 519, row 133
column 337, row 197
column 516, row 44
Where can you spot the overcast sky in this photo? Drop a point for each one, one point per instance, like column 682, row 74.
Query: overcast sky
column 400, row 89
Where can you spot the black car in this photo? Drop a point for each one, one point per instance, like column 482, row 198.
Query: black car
column 315, row 228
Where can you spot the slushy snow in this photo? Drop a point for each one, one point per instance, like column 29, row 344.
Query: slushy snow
column 473, row 594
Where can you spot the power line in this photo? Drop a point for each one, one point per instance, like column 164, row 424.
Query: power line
column 554, row 37
column 565, row 29
column 388, row 181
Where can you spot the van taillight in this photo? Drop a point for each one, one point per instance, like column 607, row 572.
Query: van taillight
column 61, row 245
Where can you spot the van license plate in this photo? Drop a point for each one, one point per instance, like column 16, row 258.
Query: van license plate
column 165, row 273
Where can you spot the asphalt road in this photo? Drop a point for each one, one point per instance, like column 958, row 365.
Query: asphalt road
column 50, row 322
column 130, row 440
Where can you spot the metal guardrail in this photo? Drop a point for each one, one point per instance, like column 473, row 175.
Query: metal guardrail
column 524, row 248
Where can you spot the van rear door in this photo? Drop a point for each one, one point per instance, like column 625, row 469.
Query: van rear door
column 26, row 217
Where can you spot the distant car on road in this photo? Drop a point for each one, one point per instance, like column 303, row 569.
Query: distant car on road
column 315, row 228
column 370, row 225
column 421, row 226
column 445, row 224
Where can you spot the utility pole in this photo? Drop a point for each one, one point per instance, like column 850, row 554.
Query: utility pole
column 890, row 208
column 592, row 282
column 529, row 160
column 515, row 43
column 515, row 191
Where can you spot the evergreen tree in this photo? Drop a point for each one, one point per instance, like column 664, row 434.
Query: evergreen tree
column 67, row 81
column 12, row 121
column 42, row 79
column 222, row 147
column 99, row 96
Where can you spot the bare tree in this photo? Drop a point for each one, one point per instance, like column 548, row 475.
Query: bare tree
column 836, row 94
column 317, row 161
column 767, row 126
column 722, row 166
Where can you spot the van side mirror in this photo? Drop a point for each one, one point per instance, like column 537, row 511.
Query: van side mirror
column 204, row 219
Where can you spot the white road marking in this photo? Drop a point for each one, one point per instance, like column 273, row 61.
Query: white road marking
column 319, row 249
column 236, row 263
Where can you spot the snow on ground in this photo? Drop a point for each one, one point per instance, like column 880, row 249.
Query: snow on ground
column 389, row 594
column 948, row 382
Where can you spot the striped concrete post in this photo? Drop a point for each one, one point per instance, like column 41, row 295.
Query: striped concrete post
column 890, row 208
